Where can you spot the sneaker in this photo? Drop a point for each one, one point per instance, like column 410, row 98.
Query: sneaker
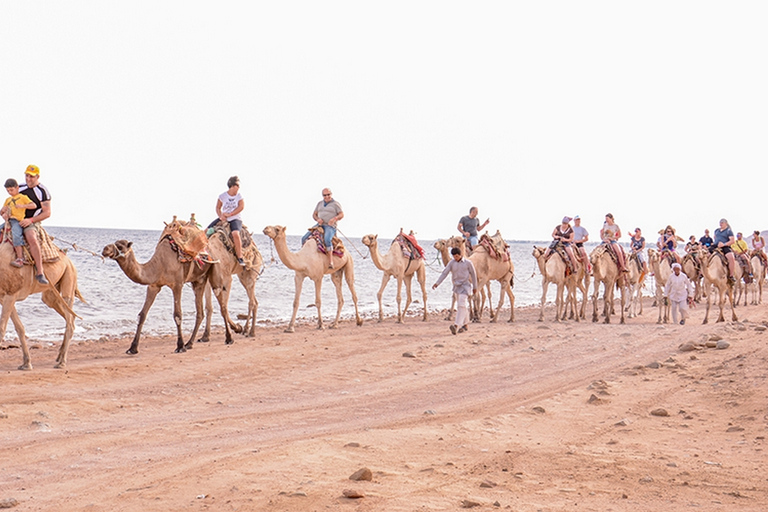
column 241, row 262
column 41, row 279
column 463, row 328
column 18, row 263
column 453, row 328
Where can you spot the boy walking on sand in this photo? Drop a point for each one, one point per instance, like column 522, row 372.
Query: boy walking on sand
column 13, row 211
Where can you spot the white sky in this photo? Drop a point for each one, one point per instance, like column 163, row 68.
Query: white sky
column 410, row 111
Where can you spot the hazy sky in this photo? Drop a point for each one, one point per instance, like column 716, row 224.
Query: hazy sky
column 410, row 111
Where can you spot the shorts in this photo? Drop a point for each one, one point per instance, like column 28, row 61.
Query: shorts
column 579, row 244
column 473, row 240
column 17, row 232
column 235, row 225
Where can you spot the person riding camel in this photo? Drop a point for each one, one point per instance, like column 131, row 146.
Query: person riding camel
column 723, row 241
column 668, row 243
column 637, row 245
column 563, row 235
column 610, row 235
column 741, row 251
column 758, row 247
column 581, row 236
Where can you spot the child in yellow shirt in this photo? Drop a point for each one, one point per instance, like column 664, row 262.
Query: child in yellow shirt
column 13, row 211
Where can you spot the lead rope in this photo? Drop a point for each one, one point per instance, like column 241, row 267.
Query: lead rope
column 350, row 243
column 77, row 247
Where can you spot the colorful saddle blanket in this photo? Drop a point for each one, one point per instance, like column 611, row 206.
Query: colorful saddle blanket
column 48, row 250
column 496, row 246
column 410, row 247
column 318, row 235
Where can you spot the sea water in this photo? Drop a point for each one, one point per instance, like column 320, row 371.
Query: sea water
column 113, row 301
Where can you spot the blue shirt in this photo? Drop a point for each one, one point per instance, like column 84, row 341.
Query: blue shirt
column 723, row 236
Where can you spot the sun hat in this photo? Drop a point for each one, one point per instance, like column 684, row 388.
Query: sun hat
column 566, row 219
column 32, row 170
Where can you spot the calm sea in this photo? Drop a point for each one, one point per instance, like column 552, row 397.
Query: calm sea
column 113, row 300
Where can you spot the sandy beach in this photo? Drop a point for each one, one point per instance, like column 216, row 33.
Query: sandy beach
column 525, row 417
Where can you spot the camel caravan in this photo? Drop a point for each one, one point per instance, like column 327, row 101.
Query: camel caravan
column 208, row 258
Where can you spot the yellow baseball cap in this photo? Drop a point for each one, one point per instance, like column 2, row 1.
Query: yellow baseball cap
column 33, row 170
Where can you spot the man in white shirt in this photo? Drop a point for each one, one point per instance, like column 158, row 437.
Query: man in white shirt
column 679, row 290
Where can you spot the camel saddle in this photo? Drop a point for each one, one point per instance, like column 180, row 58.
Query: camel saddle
column 743, row 260
column 694, row 258
column 188, row 240
column 251, row 254
column 559, row 249
column 666, row 254
column 634, row 259
column 48, row 250
column 496, row 246
column 410, row 247
column 317, row 233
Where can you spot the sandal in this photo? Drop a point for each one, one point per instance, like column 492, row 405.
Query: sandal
column 18, row 263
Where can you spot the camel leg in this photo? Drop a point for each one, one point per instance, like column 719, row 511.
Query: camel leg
column 177, row 317
column 544, row 288
column 349, row 277
column 53, row 300
column 408, row 297
column 298, row 281
column 206, row 337
column 336, row 280
column 200, row 289
column 421, row 277
column 660, row 302
column 249, row 283
column 384, row 282
column 595, row 298
column 9, row 311
column 152, row 291
column 608, row 302
column 495, row 314
column 490, row 305
column 511, row 296
column 709, row 303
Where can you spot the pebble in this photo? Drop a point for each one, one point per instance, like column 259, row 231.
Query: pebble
column 722, row 345
column 408, row 354
column 539, row 409
column 688, row 346
column 352, row 445
column 353, row 494
column 646, row 480
column 760, row 328
column 8, row 503
column 487, row 484
column 714, row 337
column 659, row 412
column 654, row 365
column 594, row 400
column 362, row 474
column 469, row 504
column 623, row 423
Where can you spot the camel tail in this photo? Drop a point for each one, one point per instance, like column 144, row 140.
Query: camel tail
column 80, row 297
column 512, row 281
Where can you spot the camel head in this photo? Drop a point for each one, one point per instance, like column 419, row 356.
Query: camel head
column 274, row 231
column 369, row 240
column 440, row 244
column 117, row 250
column 653, row 255
column 538, row 252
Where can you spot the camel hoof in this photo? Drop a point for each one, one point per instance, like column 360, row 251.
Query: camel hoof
column 204, row 339
column 25, row 367
column 229, row 341
column 188, row 345
column 60, row 365
column 132, row 351
column 237, row 328
column 180, row 350
column 705, row 322
column 289, row 330
column 359, row 322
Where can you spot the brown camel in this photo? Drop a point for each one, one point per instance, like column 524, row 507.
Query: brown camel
column 19, row 283
column 635, row 281
column 489, row 268
column 662, row 269
column 715, row 274
column 692, row 269
column 553, row 270
column 165, row 269
column 606, row 271
column 743, row 279
column 247, row 275
column 395, row 264
column 311, row 263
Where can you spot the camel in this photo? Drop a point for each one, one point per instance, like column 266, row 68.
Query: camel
column 715, row 273
column 395, row 264
column 605, row 271
column 488, row 269
column 635, row 281
column 692, row 269
column 661, row 269
column 758, row 271
column 165, row 269
column 17, row 284
column 311, row 263
column 742, row 276
column 247, row 275
column 553, row 270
